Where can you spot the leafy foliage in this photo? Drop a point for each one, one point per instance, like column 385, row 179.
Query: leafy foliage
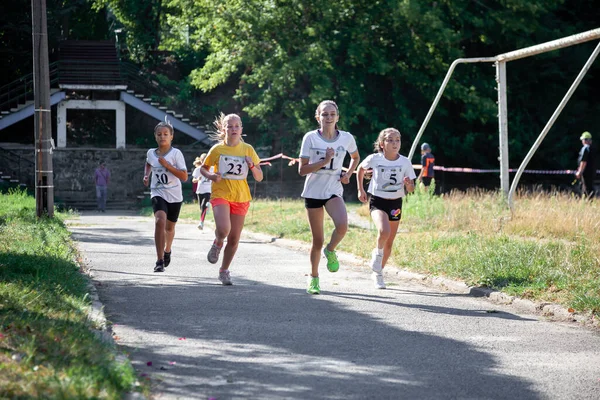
column 383, row 62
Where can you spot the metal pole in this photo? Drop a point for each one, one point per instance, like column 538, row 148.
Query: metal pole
column 502, row 126
column 549, row 46
column 555, row 115
column 44, row 184
column 439, row 96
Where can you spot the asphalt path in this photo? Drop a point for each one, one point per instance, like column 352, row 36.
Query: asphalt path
column 265, row 338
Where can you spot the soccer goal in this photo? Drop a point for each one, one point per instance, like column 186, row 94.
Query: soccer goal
column 500, row 61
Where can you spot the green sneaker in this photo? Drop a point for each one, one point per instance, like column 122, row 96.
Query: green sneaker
column 332, row 262
column 313, row 286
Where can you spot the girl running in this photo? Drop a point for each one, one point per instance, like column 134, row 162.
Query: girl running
column 164, row 170
column 203, row 188
column 393, row 177
column 321, row 160
column 232, row 159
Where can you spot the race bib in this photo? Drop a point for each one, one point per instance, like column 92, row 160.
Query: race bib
column 233, row 167
column 389, row 179
column 161, row 177
column 335, row 164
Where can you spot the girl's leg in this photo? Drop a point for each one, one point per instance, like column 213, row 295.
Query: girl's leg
column 387, row 250
column 199, row 199
column 315, row 220
column 169, row 235
column 223, row 223
column 203, row 206
column 233, row 239
column 160, row 222
column 382, row 222
column 336, row 208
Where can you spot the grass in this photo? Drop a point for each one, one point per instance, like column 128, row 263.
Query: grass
column 48, row 348
column 548, row 250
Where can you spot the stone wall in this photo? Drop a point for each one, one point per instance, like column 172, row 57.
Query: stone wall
column 74, row 177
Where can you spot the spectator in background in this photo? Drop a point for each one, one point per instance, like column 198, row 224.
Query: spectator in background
column 427, row 164
column 101, row 178
column 203, row 188
column 586, row 166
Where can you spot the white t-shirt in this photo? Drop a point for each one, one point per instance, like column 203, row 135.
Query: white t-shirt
column 388, row 176
column 204, row 184
column 325, row 182
column 162, row 182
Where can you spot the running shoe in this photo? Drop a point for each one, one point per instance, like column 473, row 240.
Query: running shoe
column 313, row 286
column 201, row 225
column 332, row 261
column 213, row 253
column 160, row 266
column 225, row 278
column 378, row 280
column 167, row 258
column 376, row 261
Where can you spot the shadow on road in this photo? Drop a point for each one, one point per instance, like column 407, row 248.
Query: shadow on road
column 259, row 341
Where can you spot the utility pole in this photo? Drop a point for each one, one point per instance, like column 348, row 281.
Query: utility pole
column 44, row 182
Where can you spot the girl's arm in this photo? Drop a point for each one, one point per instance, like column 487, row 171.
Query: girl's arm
column 205, row 171
column 360, row 176
column 255, row 168
column 409, row 184
column 345, row 179
column 182, row 175
column 304, row 168
column 147, row 170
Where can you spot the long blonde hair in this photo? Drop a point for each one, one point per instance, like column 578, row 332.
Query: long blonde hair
column 220, row 123
column 382, row 136
column 199, row 160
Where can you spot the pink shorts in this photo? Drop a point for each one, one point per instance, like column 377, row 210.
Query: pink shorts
column 237, row 208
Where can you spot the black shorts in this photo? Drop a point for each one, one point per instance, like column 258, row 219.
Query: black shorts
column 392, row 207
column 171, row 209
column 426, row 180
column 316, row 203
column 203, row 199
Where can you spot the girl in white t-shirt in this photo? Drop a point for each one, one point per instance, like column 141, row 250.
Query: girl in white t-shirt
column 203, row 188
column 393, row 177
column 321, row 161
column 164, row 171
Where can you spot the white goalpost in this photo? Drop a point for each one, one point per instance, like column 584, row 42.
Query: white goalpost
column 500, row 61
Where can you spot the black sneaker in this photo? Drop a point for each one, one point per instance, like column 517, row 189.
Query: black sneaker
column 160, row 266
column 167, row 258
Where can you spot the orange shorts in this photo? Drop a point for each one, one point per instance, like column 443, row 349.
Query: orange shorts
column 236, row 208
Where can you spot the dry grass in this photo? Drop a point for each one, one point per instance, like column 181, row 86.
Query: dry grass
column 547, row 250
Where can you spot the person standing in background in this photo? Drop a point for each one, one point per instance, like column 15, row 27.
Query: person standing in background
column 427, row 163
column 203, row 188
column 586, row 166
column 101, row 179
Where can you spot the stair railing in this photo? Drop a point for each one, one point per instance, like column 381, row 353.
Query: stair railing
column 21, row 90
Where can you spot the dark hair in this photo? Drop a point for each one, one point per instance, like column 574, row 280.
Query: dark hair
column 165, row 124
column 381, row 137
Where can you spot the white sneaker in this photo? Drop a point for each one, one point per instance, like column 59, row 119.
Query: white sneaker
column 376, row 260
column 378, row 280
column 201, row 225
